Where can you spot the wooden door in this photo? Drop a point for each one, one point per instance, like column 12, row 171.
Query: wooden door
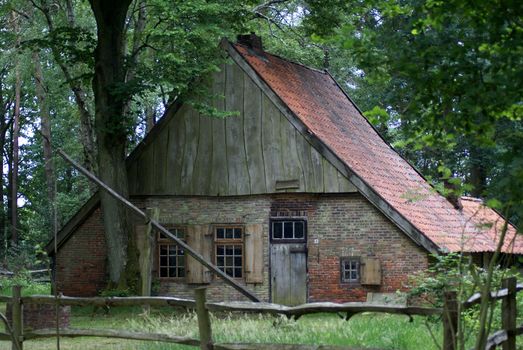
column 289, row 273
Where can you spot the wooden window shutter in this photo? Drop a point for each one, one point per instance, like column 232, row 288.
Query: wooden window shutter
column 370, row 271
column 254, row 253
column 199, row 238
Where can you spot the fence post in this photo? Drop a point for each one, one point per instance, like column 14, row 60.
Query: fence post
column 509, row 313
column 17, row 318
column 204, row 322
column 450, row 320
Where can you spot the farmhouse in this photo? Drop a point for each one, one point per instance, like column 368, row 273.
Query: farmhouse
column 296, row 196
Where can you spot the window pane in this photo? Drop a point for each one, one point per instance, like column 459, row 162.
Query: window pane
column 181, row 261
column 346, row 275
column 163, row 272
column 228, row 250
column 172, row 249
column 238, row 261
column 238, row 272
column 238, row 233
column 353, row 275
column 172, row 272
column 228, row 233
column 181, row 272
column 220, row 260
column 237, row 250
column 220, row 233
column 229, row 261
column 229, row 271
column 163, row 261
column 163, row 249
column 298, row 230
column 277, row 230
column 220, row 250
column 172, row 260
column 287, row 230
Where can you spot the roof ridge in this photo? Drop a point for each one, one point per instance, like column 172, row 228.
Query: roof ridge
column 472, row 199
column 317, row 70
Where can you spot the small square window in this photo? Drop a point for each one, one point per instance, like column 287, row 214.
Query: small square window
column 350, row 269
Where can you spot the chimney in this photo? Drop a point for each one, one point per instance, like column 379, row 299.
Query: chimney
column 453, row 194
column 250, row 40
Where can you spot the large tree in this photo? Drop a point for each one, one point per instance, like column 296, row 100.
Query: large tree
column 119, row 75
column 111, row 128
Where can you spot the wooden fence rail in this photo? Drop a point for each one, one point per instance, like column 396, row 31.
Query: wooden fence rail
column 495, row 295
column 450, row 317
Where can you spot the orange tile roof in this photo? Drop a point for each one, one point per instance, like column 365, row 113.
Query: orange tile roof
column 317, row 100
column 491, row 224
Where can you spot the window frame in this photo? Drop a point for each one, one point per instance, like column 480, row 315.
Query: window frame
column 288, row 240
column 229, row 242
column 168, row 241
column 344, row 259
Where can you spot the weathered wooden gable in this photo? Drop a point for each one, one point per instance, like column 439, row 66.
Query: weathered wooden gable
column 258, row 151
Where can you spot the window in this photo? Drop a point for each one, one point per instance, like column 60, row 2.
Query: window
column 228, row 245
column 171, row 257
column 350, row 269
column 288, row 230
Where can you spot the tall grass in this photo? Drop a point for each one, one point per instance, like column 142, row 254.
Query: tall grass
column 362, row 330
column 366, row 330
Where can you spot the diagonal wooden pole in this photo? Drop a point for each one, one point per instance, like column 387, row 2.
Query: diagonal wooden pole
column 230, row 281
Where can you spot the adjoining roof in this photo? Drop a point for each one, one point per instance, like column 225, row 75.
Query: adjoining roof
column 491, row 224
column 321, row 105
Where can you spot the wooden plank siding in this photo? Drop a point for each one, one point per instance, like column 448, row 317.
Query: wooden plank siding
column 246, row 153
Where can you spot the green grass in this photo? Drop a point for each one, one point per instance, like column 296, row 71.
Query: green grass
column 29, row 289
column 365, row 330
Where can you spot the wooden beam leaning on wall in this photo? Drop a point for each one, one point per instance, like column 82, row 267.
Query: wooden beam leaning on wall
column 145, row 245
column 154, row 223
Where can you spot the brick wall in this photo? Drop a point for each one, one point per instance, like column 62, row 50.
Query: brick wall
column 351, row 226
column 338, row 225
column 41, row 316
column 81, row 261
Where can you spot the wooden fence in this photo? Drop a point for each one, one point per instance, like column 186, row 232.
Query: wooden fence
column 15, row 332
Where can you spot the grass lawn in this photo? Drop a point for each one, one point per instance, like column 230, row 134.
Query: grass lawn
column 365, row 330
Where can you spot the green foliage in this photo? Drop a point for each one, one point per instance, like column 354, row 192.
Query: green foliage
column 442, row 80
column 455, row 272
column 452, row 272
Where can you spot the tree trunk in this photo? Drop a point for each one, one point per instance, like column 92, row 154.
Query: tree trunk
column 45, row 129
column 150, row 118
column 15, row 147
column 5, row 119
column 477, row 172
column 111, row 129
